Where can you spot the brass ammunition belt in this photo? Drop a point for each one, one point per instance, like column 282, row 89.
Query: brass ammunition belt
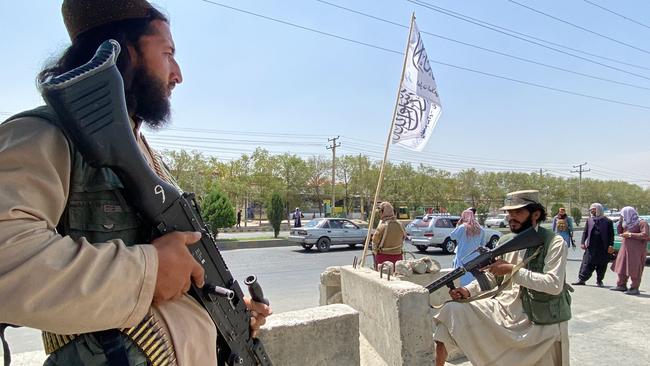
column 148, row 336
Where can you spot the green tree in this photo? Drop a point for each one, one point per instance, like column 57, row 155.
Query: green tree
column 556, row 208
column 293, row 173
column 190, row 170
column 577, row 215
column 218, row 212
column 275, row 212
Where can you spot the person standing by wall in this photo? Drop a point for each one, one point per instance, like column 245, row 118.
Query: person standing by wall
column 631, row 257
column 597, row 242
column 388, row 239
column 239, row 218
column 468, row 236
column 563, row 226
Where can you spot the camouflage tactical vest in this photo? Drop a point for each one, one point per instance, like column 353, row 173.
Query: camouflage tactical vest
column 541, row 307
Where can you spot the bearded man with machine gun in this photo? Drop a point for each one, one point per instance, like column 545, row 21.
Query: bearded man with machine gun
column 524, row 321
column 94, row 234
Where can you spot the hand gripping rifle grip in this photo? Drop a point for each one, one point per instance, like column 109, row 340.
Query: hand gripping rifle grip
column 255, row 290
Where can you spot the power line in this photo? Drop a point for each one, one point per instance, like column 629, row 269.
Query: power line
column 579, row 27
column 443, row 165
column 439, row 62
column 361, row 143
column 356, row 145
column 302, row 27
column 488, row 49
column 514, row 34
column 228, row 141
column 617, row 14
column 246, row 133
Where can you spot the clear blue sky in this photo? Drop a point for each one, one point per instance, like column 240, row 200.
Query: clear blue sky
column 250, row 81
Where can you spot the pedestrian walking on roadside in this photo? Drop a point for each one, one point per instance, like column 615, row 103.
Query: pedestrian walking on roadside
column 297, row 216
column 388, row 239
column 597, row 242
column 563, row 226
column 468, row 236
column 631, row 257
column 239, row 218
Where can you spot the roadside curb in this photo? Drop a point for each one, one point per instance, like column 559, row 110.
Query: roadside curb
column 251, row 244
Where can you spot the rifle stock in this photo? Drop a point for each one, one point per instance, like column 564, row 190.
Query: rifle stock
column 90, row 103
column 528, row 238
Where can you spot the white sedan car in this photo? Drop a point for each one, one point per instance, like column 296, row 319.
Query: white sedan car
column 325, row 232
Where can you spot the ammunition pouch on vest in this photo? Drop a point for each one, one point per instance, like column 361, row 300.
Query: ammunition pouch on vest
column 541, row 307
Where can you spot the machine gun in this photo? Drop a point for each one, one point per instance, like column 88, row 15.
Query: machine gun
column 528, row 238
column 91, row 105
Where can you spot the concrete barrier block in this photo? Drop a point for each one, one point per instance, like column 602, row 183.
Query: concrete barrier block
column 439, row 296
column 329, row 295
column 331, row 276
column 394, row 316
column 330, row 286
column 324, row 335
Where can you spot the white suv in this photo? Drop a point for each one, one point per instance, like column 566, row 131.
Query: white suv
column 500, row 220
column 434, row 230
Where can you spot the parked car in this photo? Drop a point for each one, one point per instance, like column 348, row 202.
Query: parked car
column 434, row 230
column 325, row 232
column 617, row 238
column 500, row 220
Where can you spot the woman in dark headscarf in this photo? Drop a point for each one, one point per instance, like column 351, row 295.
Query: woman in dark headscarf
column 631, row 257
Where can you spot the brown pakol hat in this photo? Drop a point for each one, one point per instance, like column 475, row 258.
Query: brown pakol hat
column 519, row 199
column 82, row 15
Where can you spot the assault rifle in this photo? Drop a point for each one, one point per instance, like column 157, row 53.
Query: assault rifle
column 91, row 105
column 528, row 238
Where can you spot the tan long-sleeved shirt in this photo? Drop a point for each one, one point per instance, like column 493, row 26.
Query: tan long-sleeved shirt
column 54, row 283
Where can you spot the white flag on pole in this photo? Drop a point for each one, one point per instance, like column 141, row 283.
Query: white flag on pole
column 418, row 105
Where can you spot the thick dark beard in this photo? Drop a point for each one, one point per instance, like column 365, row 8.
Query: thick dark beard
column 524, row 225
column 151, row 100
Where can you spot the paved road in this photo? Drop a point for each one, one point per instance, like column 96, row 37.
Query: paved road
column 607, row 327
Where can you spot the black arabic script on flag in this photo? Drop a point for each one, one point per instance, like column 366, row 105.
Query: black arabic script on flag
column 412, row 116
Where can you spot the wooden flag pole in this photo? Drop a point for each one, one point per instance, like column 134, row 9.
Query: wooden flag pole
column 383, row 162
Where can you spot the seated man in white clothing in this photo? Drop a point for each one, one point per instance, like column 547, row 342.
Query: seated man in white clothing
column 525, row 323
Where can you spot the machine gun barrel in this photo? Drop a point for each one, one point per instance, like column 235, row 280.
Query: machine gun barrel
column 528, row 238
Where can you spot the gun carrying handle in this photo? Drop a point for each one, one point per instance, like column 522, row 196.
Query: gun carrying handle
column 451, row 285
column 255, row 290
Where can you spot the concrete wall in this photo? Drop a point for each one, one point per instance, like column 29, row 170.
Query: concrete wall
column 325, row 335
column 394, row 316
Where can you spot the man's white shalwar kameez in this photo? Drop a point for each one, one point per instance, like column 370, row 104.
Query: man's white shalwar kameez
column 496, row 331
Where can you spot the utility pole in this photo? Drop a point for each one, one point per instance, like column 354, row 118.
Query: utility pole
column 580, row 171
column 333, row 147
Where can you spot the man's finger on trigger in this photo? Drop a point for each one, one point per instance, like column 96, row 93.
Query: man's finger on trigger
column 192, row 237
